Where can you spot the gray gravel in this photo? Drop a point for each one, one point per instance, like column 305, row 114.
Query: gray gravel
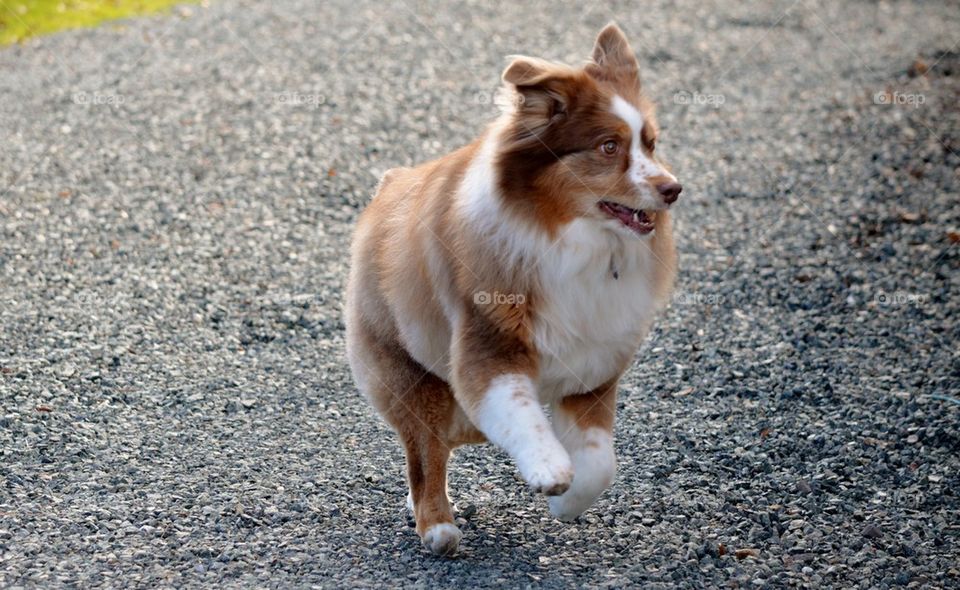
column 176, row 200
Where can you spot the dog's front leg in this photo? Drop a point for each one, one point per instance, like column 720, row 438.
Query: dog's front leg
column 494, row 373
column 510, row 415
column 585, row 425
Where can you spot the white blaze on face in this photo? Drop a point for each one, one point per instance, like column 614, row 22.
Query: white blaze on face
column 641, row 166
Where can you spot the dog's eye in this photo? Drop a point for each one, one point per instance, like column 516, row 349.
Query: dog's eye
column 609, row 147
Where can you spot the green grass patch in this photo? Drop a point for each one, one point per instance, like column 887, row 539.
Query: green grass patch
column 20, row 19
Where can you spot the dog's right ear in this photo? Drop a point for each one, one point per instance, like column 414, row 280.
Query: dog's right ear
column 544, row 87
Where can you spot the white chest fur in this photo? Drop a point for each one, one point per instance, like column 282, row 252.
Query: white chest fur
column 588, row 321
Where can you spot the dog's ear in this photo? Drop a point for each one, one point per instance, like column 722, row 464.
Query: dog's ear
column 529, row 71
column 613, row 58
column 543, row 87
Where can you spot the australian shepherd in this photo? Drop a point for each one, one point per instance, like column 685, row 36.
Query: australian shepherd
column 518, row 272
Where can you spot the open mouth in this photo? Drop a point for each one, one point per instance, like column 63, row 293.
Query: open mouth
column 641, row 222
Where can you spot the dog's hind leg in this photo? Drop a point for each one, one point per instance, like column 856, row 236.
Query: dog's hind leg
column 427, row 455
column 421, row 408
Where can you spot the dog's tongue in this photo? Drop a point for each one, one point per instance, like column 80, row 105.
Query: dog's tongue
column 636, row 220
column 632, row 219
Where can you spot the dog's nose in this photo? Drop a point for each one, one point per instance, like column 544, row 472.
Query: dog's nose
column 670, row 191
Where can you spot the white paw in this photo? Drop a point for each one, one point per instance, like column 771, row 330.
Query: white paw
column 596, row 466
column 550, row 475
column 442, row 539
column 567, row 507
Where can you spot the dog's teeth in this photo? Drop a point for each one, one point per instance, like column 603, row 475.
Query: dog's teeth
column 636, row 217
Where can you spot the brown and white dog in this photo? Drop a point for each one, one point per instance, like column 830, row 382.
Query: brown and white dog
column 519, row 271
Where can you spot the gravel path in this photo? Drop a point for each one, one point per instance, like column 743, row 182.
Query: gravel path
column 176, row 200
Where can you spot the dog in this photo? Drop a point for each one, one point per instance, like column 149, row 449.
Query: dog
column 520, row 271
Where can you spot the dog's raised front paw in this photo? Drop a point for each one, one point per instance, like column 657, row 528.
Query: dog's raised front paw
column 551, row 477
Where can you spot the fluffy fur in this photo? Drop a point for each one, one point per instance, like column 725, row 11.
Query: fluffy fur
column 519, row 271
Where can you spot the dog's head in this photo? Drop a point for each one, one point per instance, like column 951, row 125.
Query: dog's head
column 581, row 142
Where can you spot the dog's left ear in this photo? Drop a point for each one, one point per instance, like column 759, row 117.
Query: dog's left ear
column 613, row 57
